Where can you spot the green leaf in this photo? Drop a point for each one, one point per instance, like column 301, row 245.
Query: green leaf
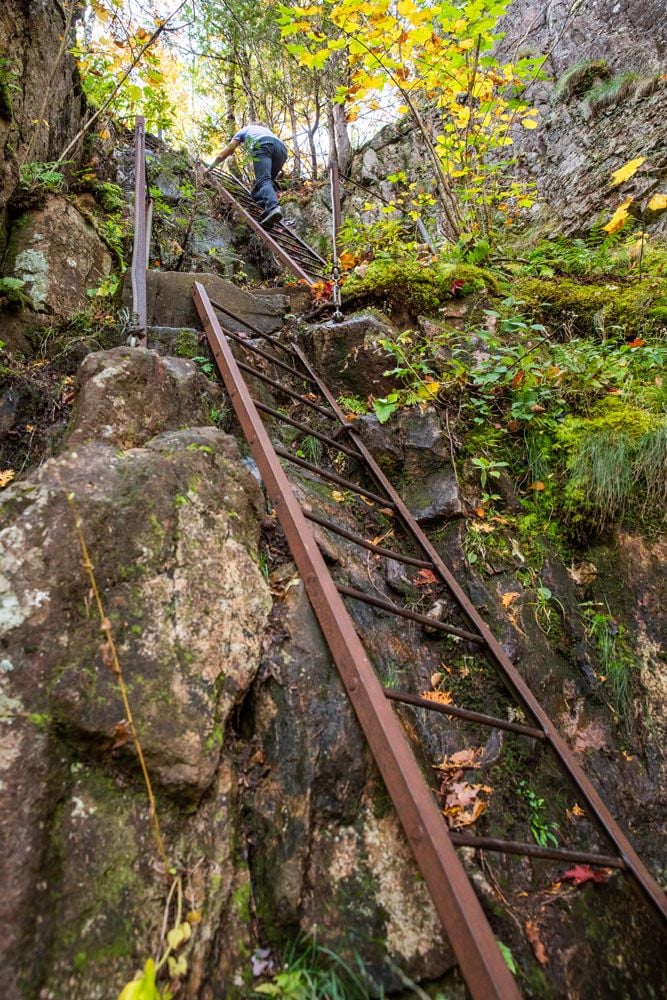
column 142, row 988
column 385, row 407
column 509, row 958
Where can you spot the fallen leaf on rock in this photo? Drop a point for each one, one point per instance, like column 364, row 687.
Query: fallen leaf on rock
column 424, row 578
column 443, row 697
column 121, row 735
column 463, row 805
column 462, row 758
column 436, row 678
column 575, row 812
column 591, row 737
column 581, row 874
column 509, row 598
column 583, row 574
column 533, row 935
column 6, row 476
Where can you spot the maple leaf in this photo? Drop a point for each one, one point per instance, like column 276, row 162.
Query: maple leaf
column 509, row 598
column 347, row 260
column 658, row 203
column 442, row 697
column 625, row 172
column 619, row 218
column 424, row 578
column 6, row 476
column 581, row 874
column 575, row 812
column 321, row 290
column 637, row 342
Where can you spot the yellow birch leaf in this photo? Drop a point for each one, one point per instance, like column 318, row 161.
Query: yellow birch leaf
column 529, row 123
column 658, row 203
column 619, row 218
column 625, row 172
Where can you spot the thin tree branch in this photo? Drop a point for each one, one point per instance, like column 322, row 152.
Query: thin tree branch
column 136, row 60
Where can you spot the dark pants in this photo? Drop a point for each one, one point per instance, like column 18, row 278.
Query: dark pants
column 268, row 161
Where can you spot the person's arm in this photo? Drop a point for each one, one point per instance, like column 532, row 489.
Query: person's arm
column 228, row 151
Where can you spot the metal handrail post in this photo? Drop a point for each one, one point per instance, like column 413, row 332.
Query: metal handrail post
column 335, row 226
column 139, row 248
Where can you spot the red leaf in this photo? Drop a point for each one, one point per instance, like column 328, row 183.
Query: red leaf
column 637, row 342
column 518, row 379
column 425, row 577
column 456, row 287
column 584, row 873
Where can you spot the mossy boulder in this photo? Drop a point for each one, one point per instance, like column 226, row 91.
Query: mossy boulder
column 575, row 309
column 614, row 460
column 412, row 288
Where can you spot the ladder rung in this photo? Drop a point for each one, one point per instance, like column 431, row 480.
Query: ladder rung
column 534, row 850
column 463, row 713
column 270, row 411
column 332, row 477
column 269, row 357
column 288, row 392
column 378, row 549
column 412, row 616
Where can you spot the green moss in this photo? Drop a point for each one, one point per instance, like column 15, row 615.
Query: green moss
column 409, row 286
column 241, row 900
column 579, row 309
column 579, row 78
column 614, row 460
column 187, row 345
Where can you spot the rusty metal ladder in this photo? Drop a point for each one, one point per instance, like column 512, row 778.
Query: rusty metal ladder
column 432, row 843
column 284, row 243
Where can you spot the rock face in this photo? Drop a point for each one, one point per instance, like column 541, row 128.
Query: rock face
column 347, row 356
column 173, row 531
column 170, row 302
column 58, row 255
column 579, row 141
column 33, row 88
column 165, row 394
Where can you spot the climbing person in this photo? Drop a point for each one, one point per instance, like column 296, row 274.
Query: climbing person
column 268, row 157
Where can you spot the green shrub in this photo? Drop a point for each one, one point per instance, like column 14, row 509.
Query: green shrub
column 580, row 77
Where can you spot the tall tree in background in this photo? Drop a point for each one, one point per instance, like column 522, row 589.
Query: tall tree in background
column 437, row 58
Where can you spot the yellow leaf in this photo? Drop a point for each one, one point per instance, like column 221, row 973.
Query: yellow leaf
column 509, row 598
column 143, row 986
column 529, row 123
column 537, row 486
column 619, row 218
column 104, row 134
column 442, row 697
column 403, row 109
column 179, row 935
column 6, row 477
column 658, row 203
column 625, row 172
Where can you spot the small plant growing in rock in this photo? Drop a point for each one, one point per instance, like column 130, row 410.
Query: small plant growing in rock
column 543, row 830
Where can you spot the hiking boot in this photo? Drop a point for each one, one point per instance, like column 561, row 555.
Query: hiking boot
column 269, row 219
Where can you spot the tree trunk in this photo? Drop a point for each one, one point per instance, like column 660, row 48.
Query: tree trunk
column 296, row 168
